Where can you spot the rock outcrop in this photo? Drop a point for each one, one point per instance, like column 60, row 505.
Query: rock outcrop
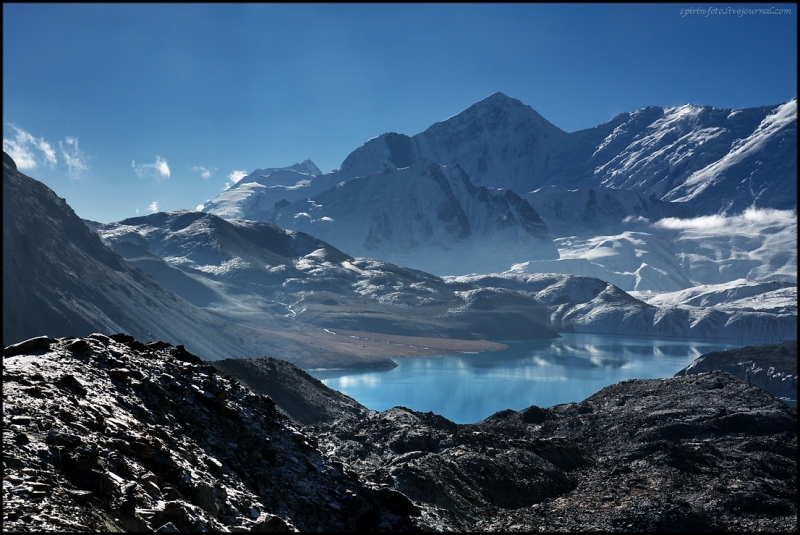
column 108, row 434
column 773, row 367
column 302, row 397
column 707, row 452
column 105, row 433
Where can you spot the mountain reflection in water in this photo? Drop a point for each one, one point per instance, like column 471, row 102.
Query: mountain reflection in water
column 469, row 387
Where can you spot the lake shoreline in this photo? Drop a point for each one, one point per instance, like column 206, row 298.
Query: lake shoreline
column 467, row 387
column 385, row 347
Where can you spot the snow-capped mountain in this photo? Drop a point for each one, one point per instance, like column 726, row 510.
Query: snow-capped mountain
column 306, row 167
column 256, row 270
column 597, row 185
column 674, row 254
column 742, row 309
column 499, row 142
column 710, row 159
column 257, row 193
column 773, row 297
column 425, row 216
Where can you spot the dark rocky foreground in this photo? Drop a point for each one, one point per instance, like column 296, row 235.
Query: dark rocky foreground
column 109, row 434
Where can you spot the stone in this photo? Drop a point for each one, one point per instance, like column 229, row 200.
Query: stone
column 119, row 374
column 399, row 502
column 70, row 383
column 80, row 496
column 122, row 338
column 204, row 496
column 214, row 466
column 21, row 420
column 151, row 488
column 32, row 345
column 159, row 345
column 61, row 438
column 79, row 346
column 102, row 338
column 271, row 524
column 10, row 461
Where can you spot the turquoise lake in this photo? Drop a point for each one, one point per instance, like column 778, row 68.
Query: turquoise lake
column 467, row 388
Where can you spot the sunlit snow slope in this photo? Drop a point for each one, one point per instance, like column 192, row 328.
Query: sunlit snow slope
column 674, row 253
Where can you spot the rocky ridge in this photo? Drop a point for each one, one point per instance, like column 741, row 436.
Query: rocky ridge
column 772, row 367
column 108, row 434
column 701, row 453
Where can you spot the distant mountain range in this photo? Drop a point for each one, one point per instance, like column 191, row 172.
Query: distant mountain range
column 497, row 187
column 59, row 279
column 250, row 271
column 706, row 158
column 309, row 267
column 231, row 289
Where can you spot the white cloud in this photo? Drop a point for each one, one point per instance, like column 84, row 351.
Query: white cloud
column 21, row 154
column 162, row 167
column 159, row 168
column 199, row 208
column 205, row 173
column 769, row 215
column 696, row 223
column 153, row 206
column 236, row 176
column 49, row 153
column 24, row 149
column 73, row 157
column 750, row 222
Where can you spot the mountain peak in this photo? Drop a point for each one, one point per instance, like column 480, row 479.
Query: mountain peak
column 306, row 166
column 500, row 109
column 496, row 102
column 498, row 96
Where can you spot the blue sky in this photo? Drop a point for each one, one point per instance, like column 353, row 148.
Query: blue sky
column 126, row 109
